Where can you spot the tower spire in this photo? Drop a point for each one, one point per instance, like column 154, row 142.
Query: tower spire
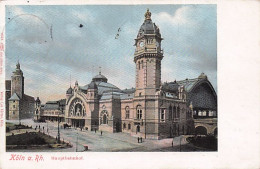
column 99, row 70
column 148, row 15
column 70, row 80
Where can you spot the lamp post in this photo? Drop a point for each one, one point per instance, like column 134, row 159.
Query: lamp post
column 61, row 109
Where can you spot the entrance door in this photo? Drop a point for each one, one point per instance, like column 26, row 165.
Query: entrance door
column 138, row 129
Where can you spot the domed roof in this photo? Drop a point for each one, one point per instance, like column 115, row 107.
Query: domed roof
column 171, row 87
column 99, row 78
column 92, row 85
column 69, row 91
column 203, row 76
column 148, row 27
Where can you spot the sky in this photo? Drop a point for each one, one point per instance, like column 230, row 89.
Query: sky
column 54, row 51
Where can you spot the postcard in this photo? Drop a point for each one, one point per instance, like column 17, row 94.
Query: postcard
column 122, row 77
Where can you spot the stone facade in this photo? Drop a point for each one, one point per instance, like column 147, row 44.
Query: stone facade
column 18, row 104
column 152, row 109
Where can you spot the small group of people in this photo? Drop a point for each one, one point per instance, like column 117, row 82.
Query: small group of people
column 139, row 139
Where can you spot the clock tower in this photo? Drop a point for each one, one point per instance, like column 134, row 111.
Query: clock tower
column 147, row 57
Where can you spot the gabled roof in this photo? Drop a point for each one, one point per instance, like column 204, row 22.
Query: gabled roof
column 14, row 97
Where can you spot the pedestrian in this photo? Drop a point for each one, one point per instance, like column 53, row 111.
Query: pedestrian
column 95, row 130
column 138, row 139
column 141, row 139
column 101, row 132
column 43, row 127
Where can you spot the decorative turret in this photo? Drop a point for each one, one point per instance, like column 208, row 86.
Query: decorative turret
column 17, row 81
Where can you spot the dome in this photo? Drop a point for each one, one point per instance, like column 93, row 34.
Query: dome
column 171, row 87
column 202, row 76
column 69, row 91
column 92, row 85
column 148, row 27
column 99, row 78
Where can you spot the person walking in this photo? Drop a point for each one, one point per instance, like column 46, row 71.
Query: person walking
column 141, row 139
column 101, row 132
column 138, row 139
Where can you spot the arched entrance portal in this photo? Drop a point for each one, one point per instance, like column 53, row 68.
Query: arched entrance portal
column 200, row 130
column 137, row 128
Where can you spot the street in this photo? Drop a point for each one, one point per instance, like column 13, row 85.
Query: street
column 108, row 142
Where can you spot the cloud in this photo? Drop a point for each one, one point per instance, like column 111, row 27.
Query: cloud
column 189, row 50
column 180, row 17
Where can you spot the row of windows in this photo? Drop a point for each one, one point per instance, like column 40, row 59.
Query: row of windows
column 174, row 113
column 128, row 126
column 205, row 113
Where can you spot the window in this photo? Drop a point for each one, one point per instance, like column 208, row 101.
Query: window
column 124, row 126
column 129, row 126
column 127, row 112
column 139, row 65
column 174, row 112
column 142, row 64
column 140, row 94
column 13, row 106
column 13, row 112
column 139, row 112
column 162, row 115
column 104, row 119
column 170, row 113
column 178, row 112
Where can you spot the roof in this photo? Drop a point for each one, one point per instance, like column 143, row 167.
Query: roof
column 69, row 91
column 127, row 96
column 111, row 95
column 92, row 85
column 148, row 27
column 102, row 87
column 99, row 78
column 128, row 91
column 14, row 97
column 170, row 87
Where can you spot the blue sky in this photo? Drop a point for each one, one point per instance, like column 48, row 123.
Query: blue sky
column 48, row 59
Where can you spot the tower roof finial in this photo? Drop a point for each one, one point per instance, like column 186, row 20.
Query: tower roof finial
column 148, row 15
column 18, row 64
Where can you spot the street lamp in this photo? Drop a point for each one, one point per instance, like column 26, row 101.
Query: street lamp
column 61, row 109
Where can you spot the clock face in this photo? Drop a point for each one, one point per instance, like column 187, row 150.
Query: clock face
column 141, row 44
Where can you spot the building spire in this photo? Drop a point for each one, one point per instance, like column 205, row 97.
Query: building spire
column 18, row 64
column 99, row 70
column 70, row 80
column 148, row 15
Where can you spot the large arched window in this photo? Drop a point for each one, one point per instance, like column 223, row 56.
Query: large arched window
column 127, row 112
column 77, row 108
column 174, row 112
column 139, row 112
column 104, row 117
